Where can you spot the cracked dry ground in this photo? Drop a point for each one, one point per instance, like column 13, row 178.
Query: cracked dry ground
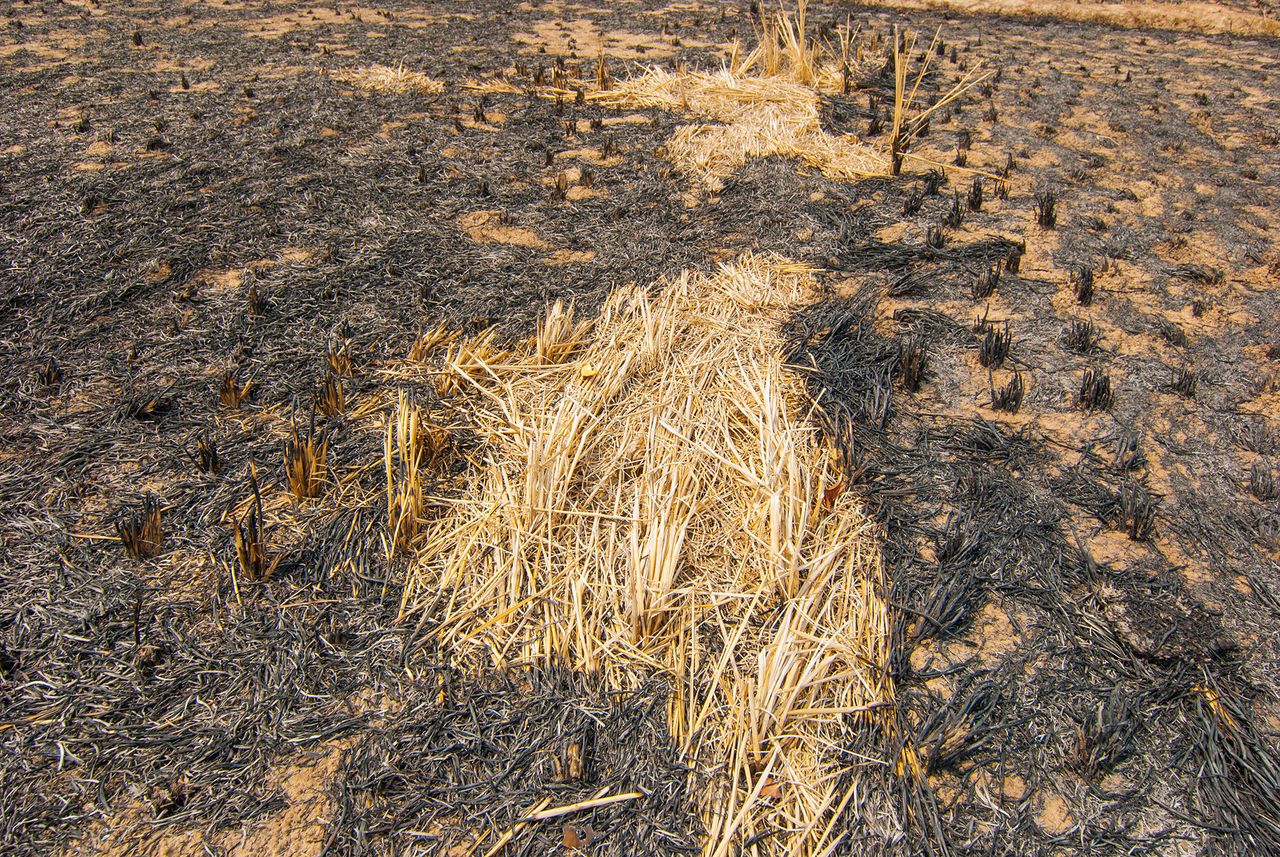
column 1087, row 598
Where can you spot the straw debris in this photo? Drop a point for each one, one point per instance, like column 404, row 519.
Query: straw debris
column 331, row 398
column 653, row 502
column 304, row 460
column 252, row 557
column 232, row 393
column 467, row 363
column 768, row 101
column 205, row 455
column 141, row 530
column 764, row 103
column 558, row 336
column 427, row 342
column 383, row 78
column 404, row 449
column 750, row 116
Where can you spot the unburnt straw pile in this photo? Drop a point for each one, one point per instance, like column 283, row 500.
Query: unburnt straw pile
column 383, row 78
column 750, row 117
column 768, row 102
column 654, row 501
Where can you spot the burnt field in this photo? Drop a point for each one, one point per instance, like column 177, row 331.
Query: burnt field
column 269, row 270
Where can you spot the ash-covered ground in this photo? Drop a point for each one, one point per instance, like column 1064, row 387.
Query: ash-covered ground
column 1081, row 494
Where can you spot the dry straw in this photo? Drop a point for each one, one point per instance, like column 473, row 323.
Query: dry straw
column 751, row 117
column 305, row 459
column 383, row 78
column 759, row 104
column 768, row 102
column 403, row 453
column 252, row 555
column 653, row 499
column 141, row 530
column 231, row 393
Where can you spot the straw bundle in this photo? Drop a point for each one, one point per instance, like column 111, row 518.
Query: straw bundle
column 657, row 502
column 785, row 50
column 756, row 116
column 765, row 103
column 768, row 101
column 386, row 79
column 403, row 453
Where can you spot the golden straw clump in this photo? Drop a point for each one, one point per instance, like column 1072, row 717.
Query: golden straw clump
column 406, row 444
column 558, row 335
column 305, row 458
column 768, row 102
column 231, row 393
column 427, row 342
column 764, row 103
column 469, row 363
column 252, row 555
column 784, row 50
column 751, row 117
column 142, row 530
column 659, row 502
column 386, row 79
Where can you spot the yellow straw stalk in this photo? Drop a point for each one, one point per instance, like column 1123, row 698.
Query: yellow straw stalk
column 651, row 501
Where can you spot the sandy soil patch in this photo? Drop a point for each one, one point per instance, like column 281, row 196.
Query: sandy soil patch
column 486, row 227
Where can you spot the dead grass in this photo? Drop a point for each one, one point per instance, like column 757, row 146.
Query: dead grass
column 558, row 335
column 749, row 117
column 331, row 398
column 252, row 555
column 231, row 393
column 427, row 343
column 767, row 102
column 338, row 358
column 386, row 79
column 141, row 530
column 651, row 500
column 469, row 362
column 305, row 457
column 403, row 453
